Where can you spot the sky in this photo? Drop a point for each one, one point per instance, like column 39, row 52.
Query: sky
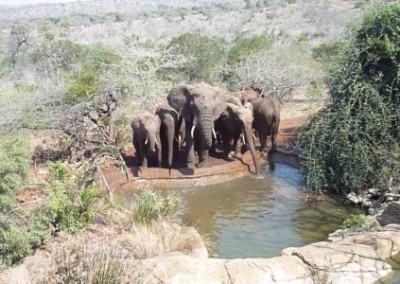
column 24, row 2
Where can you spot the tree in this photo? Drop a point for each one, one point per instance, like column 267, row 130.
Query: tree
column 353, row 144
column 19, row 35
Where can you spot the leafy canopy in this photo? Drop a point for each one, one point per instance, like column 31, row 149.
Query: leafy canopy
column 353, row 143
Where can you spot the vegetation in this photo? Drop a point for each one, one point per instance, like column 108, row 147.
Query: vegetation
column 353, row 144
column 69, row 207
column 56, row 70
column 20, row 231
column 152, row 205
column 202, row 54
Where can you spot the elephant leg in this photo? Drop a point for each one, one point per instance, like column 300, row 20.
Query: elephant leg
column 263, row 140
column 203, row 158
column 273, row 141
column 237, row 146
column 137, row 152
column 144, row 155
column 227, row 146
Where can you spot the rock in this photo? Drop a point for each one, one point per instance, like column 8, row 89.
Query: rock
column 362, row 258
column 391, row 214
column 353, row 198
column 340, row 262
column 374, row 191
column 178, row 268
column 389, row 199
column 366, row 202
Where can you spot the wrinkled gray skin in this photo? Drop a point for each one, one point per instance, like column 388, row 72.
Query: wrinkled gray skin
column 246, row 95
column 266, row 120
column 199, row 105
column 146, row 138
column 169, row 133
column 235, row 120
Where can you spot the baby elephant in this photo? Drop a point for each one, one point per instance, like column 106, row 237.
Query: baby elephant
column 146, row 139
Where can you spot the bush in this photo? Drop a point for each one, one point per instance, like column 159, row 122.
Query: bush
column 151, row 205
column 69, row 208
column 353, row 144
column 18, row 240
column 56, row 54
column 202, row 54
column 324, row 52
column 354, row 222
column 20, row 231
column 14, row 159
column 86, row 83
column 246, row 46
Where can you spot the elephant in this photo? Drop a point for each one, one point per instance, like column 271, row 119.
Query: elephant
column 246, row 94
column 235, row 120
column 146, row 138
column 266, row 120
column 199, row 106
column 169, row 133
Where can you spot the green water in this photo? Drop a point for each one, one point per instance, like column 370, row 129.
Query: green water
column 259, row 216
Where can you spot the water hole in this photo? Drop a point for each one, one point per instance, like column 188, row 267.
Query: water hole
column 259, row 216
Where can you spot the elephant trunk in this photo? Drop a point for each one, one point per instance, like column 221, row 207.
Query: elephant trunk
column 248, row 131
column 151, row 141
column 170, row 139
column 205, row 125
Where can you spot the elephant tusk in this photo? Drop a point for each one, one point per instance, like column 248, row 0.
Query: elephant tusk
column 243, row 140
column 254, row 137
column 146, row 141
column 192, row 131
column 214, row 134
column 156, row 142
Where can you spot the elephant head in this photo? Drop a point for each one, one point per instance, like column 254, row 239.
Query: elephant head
column 199, row 105
column 244, row 117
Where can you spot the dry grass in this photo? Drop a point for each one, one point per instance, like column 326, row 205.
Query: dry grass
column 161, row 237
column 104, row 254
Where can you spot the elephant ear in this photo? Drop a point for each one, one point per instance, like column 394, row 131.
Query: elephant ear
column 242, row 113
column 179, row 99
column 219, row 102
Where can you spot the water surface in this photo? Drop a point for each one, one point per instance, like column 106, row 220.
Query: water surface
column 259, row 216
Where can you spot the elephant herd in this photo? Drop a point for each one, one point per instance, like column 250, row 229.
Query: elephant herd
column 200, row 116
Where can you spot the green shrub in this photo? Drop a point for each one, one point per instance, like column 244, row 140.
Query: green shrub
column 86, row 83
column 353, row 144
column 14, row 157
column 354, row 222
column 202, row 54
column 57, row 54
column 19, row 240
column 20, row 231
column 151, row 205
column 324, row 52
column 69, row 208
column 246, row 46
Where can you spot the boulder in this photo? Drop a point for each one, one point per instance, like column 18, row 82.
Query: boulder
column 391, row 214
column 342, row 262
column 179, row 268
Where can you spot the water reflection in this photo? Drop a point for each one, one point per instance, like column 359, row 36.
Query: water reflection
column 258, row 217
